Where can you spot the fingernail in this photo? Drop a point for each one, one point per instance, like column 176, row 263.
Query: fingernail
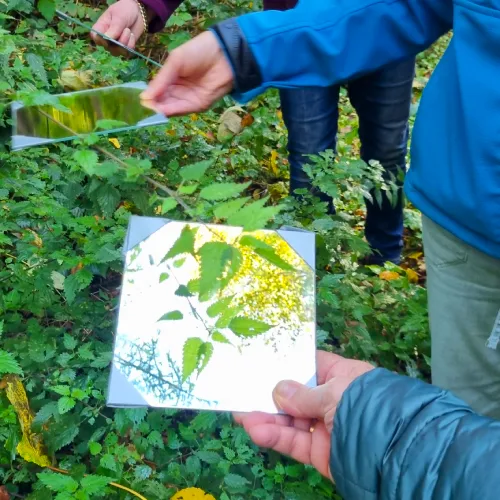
column 283, row 392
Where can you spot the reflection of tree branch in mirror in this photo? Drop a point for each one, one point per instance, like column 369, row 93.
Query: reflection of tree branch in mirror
column 142, row 361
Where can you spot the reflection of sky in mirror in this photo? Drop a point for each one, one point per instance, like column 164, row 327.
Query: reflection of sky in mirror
column 239, row 376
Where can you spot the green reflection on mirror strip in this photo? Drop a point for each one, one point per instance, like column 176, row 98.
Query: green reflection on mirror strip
column 87, row 108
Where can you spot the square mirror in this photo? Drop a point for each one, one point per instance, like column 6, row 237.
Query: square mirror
column 212, row 317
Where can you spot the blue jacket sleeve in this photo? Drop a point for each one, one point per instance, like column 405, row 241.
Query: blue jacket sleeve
column 395, row 437
column 325, row 42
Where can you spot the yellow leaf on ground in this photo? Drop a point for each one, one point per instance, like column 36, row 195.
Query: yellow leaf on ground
column 75, row 80
column 415, row 255
column 31, row 447
column 115, row 142
column 192, row 494
column 388, row 275
column 412, row 276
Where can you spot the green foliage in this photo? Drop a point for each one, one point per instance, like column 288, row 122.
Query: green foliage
column 65, row 210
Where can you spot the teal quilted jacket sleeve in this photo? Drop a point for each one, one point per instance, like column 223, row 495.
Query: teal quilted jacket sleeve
column 397, row 438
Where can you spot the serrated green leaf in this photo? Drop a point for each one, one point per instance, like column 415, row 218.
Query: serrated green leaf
column 219, row 263
column 272, row 257
column 66, row 432
column 75, row 283
column 109, row 124
column 87, row 159
column 142, row 472
column 220, row 306
column 195, row 171
column 45, row 413
column 57, row 482
column 107, row 253
column 246, row 327
column 205, row 353
column 94, row 484
column 223, row 190
column 65, row 404
column 79, row 394
column 106, row 169
column 108, row 198
column 63, row 390
column 183, row 244
column 183, row 291
column 167, row 205
column 69, row 341
column 235, row 481
column 8, row 364
column 172, row 315
column 95, row 448
column 47, row 8
column 254, row 216
column 209, row 457
column 108, row 462
column 227, row 315
column 228, row 208
column 36, row 65
column 190, row 356
column 218, row 337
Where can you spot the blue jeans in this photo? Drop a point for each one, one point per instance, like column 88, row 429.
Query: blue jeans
column 382, row 101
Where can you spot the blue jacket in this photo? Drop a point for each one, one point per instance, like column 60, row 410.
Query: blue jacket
column 454, row 177
column 397, row 438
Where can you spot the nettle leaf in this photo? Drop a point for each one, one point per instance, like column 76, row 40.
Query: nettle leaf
column 183, row 291
column 183, row 244
column 45, row 413
column 47, row 8
column 94, row 484
column 195, row 171
column 220, row 306
column 172, row 315
column 227, row 315
column 235, row 481
column 223, row 190
column 63, row 390
column 36, row 65
column 218, row 337
column 108, row 198
column 107, row 169
column 87, row 159
column 65, row 404
column 246, row 327
column 109, row 124
column 219, row 264
column 190, row 356
column 265, row 251
column 167, row 205
column 205, row 353
column 188, row 189
column 108, row 462
column 209, row 457
column 8, row 364
column 75, row 283
column 107, row 253
column 228, row 208
column 57, row 482
column 95, row 448
column 254, row 216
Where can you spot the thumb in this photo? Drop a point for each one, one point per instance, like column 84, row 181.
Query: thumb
column 300, row 401
column 167, row 75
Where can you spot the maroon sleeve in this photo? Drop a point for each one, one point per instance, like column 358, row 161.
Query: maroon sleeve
column 162, row 9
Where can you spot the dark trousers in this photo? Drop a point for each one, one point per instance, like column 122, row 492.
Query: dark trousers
column 382, row 101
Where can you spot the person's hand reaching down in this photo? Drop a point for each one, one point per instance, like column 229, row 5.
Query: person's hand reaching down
column 304, row 433
column 195, row 75
column 123, row 22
